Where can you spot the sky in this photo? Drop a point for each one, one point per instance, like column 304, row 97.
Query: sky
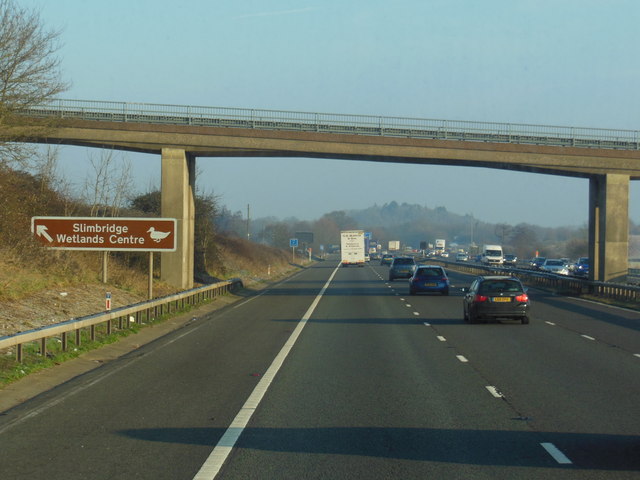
column 550, row 62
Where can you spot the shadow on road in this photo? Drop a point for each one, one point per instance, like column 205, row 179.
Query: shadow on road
column 474, row 447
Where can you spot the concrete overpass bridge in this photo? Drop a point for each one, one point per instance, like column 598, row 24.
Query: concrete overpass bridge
column 609, row 159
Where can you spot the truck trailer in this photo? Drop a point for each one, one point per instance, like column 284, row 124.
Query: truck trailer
column 352, row 249
column 394, row 245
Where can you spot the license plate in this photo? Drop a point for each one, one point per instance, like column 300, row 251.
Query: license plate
column 430, row 284
column 502, row 299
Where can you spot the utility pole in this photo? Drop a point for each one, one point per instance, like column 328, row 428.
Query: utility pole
column 248, row 223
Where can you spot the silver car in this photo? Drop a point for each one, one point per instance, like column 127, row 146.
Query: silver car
column 401, row 267
column 555, row 265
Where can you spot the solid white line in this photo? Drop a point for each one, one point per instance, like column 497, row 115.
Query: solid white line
column 587, row 337
column 494, row 391
column 461, row 358
column 442, row 339
column 557, row 455
column 218, row 456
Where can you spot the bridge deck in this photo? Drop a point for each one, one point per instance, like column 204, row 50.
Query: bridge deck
column 339, row 124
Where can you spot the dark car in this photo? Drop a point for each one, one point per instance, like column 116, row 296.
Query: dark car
column 401, row 267
column 580, row 268
column 386, row 259
column 429, row 278
column 495, row 297
column 510, row 260
column 537, row 262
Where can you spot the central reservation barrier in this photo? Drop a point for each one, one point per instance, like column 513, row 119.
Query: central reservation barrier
column 561, row 284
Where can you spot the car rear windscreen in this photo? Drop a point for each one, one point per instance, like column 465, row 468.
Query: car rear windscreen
column 429, row 272
column 404, row 261
column 500, row 286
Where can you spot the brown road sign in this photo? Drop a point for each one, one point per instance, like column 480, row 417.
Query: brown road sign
column 102, row 233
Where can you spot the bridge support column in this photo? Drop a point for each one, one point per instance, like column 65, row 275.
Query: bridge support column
column 609, row 227
column 177, row 201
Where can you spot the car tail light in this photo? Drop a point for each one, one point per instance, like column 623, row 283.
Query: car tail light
column 444, row 279
column 480, row 298
column 522, row 298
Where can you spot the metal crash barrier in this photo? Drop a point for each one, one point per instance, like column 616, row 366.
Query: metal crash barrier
column 138, row 313
column 558, row 283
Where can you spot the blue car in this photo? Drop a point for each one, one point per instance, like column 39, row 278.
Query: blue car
column 581, row 267
column 429, row 278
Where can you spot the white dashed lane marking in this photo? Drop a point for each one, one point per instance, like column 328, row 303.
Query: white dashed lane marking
column 557, row 455
column 494, row 391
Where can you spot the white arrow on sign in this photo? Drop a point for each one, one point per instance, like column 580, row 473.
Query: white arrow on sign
column 41, row 231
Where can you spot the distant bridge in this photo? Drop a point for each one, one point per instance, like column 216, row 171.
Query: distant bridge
column 609, row 158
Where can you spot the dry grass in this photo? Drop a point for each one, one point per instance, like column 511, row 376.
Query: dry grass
column 40, row 286
column 54, row 286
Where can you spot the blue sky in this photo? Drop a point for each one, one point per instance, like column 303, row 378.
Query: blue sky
column 555, row 62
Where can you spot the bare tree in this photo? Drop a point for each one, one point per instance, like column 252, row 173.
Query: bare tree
column 29, row 70
column 107, row 188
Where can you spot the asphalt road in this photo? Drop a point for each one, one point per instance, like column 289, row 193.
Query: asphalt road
column 378, row 384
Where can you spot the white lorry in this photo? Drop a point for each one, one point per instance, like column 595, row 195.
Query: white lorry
column 394, row 245
column 492, row 255
column 352, row 247
column 440, row 246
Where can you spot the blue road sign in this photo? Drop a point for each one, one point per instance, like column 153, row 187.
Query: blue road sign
column 293, row 242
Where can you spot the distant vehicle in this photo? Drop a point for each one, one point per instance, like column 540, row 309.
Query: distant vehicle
column 580, row 268
column 352, row 247
column 555, row 265
column 492, row 255
column 401, row 267
column 510, row 260
column 386, row 259
column 444, row 254
column 429, row 278
column 462, row 257
column 537, row 262
column 440, row 245
column 494, row 297
column 394, row 245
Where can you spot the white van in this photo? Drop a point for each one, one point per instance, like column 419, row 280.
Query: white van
column 492, row 255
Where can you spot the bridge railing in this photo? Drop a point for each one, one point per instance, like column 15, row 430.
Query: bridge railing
column 339, row 123
column 137, row 313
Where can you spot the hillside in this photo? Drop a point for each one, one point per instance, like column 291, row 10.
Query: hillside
column 39, row 287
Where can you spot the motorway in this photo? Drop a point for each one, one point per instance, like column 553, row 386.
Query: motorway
column 338, row 373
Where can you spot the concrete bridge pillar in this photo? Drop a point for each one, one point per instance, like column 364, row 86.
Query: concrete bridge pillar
column 609, row 227
column 177, row 201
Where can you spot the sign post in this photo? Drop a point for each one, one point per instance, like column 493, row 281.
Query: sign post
column 106, row 234
column 293, row 243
